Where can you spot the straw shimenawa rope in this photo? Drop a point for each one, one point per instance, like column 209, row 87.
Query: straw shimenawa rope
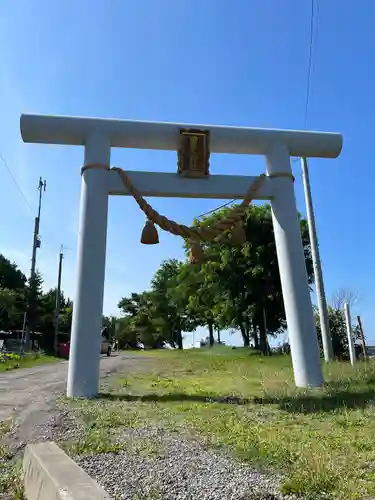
column 203, row 234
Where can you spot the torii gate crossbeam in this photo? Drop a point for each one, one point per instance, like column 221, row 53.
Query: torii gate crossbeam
column 99, row 135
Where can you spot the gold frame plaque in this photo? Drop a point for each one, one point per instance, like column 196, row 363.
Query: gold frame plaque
column 194, row 153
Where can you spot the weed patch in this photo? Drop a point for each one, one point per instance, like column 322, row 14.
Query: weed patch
column 320, row 440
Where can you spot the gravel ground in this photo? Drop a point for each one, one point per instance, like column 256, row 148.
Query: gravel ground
column 163, row 465
column 157, row 464
column 28, row 398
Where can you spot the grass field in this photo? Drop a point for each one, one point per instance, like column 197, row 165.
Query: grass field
column 14, row 361
column 322, row 440
column 10, row 472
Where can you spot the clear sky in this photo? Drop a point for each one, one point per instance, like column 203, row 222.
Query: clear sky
column 238, row 62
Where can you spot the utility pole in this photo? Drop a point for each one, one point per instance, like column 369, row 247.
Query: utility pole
column 36, row 244
column 320, row 294
column 57, row 305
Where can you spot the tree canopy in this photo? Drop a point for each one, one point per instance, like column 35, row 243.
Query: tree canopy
column 235, row 287
column 16, row 292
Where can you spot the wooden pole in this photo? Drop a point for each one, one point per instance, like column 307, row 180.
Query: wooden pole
column 362, row 338
column 349, row 331
column 57, row 304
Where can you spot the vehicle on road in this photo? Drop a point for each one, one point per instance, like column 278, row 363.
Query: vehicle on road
column 105, row 348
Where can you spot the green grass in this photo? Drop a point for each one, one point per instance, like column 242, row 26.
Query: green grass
column 14, row 361
column 321, row 440
column 10, row 470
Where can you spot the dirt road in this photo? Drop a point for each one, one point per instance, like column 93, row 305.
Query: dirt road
column 28, row 395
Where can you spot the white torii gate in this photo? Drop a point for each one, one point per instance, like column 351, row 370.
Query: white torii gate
column 98, row 136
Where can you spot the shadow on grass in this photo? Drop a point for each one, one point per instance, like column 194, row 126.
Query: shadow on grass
column 320, row 403
column 175, row 397
column 293, row 404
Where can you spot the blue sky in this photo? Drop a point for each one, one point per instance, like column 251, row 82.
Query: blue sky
column 242, row 62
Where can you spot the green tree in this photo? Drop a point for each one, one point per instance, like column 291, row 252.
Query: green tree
column 11, row 277
column 13, row 294
column 198, row 295
column 45, row 322
column 246, row 278
column 66, row 316
column 125, row 334
column 158, row 315
column 18, row 295
column 130, row 306
column 169, row 309
column 8, row 309
column 136, row 325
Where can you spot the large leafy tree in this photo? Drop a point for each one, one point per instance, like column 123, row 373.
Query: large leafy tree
column 134, row 325
column 169, row 309
column 198, row 294
column 131, row 305
column 8, row 309
column 245, row 280
column 17, row 295
column 13, row 294
column 158, row 315
column 45, row 321
column 11, row 277
column 66, row 316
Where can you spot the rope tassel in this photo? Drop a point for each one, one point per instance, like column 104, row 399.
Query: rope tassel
column 196, row 253
column 238, row 234
column 150, row 234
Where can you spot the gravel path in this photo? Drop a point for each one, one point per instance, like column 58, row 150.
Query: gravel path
column 28, row 397
column 162, row 465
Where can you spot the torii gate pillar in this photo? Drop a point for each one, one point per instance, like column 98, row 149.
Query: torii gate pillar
column 99, row 135
column 293, row 275
column 84, row 359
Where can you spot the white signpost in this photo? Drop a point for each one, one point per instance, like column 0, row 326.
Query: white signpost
column 98, row 136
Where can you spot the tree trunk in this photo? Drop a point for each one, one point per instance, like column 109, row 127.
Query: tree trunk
column 263, row 340
column 269, row 349
column 247, row 329
column 211, row 333
column 218, row 336
column 245, row 337
column 255, row 336
column 256, row 339
column 179, row 339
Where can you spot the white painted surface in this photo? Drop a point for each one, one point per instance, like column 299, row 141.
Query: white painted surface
column 165, row 136
column 49, row 474
column 297, row 301
column 349, row 332
column 160, row 184
column 83, row 374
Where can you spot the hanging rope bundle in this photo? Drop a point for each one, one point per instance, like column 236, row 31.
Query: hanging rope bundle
column 195, row 235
